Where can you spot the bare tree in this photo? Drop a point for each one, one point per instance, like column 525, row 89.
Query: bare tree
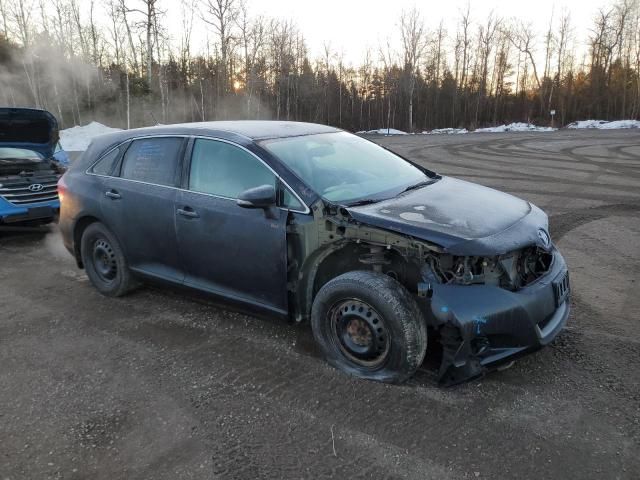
column 151, row 28
column 466, row 44
column 159, row 40
column 124, row 11
column 365, row 88
column 523, row 37
column 387, row 55
column 80, row 31
column 328, row 55
column 221, row 15
column 487, row 34
column 252, row 35
column 414, row 42
column 21, row 11
column 5, row 18
column 564, row 32
column 114, row 30
column 340, row 57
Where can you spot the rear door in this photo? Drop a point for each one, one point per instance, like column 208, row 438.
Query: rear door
column 138, row 205
column 236, row 252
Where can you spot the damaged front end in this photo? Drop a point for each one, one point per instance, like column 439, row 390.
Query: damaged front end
column 490, row 290
column 493, row 285
column 490, row 310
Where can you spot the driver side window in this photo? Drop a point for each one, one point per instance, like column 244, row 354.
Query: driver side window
column 219, row 168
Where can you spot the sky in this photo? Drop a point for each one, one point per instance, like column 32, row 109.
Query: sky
column 352, row 26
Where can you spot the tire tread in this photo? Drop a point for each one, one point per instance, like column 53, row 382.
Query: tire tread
column 398, row 299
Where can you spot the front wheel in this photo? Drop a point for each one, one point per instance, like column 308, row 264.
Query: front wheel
column 368, row 325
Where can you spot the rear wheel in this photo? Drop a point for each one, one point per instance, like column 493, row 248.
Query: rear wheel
column 368, row 325
column 104, row 261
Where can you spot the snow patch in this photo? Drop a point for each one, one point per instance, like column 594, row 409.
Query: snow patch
column 446, row 131
column 604, row 125
column 383, row 131
column 515, row 127
column 78, row 138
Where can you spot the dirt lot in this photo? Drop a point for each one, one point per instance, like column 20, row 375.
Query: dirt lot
column 164, row 384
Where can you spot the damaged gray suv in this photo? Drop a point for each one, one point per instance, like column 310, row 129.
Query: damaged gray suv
column 315, row 224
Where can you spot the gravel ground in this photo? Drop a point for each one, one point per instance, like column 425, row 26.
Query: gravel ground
column 165, row 384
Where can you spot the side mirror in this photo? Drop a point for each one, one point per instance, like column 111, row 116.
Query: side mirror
column 263, row 196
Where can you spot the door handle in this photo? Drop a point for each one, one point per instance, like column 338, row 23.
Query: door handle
column 188, row 212
column 112, row 194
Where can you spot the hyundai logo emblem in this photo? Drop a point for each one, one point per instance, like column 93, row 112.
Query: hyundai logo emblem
column 544, row 237
column 36, row 187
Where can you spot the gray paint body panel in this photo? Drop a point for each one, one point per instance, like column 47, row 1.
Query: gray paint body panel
column 464, row 218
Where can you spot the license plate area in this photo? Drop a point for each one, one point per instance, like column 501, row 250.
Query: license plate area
column 40, row 212
column 561, row 288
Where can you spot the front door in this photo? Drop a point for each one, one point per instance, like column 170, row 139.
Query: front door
column 232, row 251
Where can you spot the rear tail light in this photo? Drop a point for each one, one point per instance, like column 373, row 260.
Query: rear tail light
column 62, row 189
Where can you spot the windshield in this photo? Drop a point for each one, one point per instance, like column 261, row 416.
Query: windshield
column 345, row 168
column 22, row 154
column 14, row 161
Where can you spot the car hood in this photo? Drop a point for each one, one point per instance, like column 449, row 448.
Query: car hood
column 463, row 218
column 28, row 128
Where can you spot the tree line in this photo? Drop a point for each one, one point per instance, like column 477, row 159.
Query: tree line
column 114, row 61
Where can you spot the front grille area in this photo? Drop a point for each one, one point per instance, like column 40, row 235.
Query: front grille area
column 20, row 191
column 561, row 288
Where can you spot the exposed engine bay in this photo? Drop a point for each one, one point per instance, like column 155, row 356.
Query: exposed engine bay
column 511, row 271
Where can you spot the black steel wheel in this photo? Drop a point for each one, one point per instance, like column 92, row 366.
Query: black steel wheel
column 368, row 325
column 360, row 332
column 104, row 261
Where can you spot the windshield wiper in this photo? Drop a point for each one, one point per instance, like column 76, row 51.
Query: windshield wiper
column 365, row 201
column 418, row 185
column 368, row 201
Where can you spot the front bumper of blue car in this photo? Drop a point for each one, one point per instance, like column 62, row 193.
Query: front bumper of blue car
column 485, row 326
column 15, row 214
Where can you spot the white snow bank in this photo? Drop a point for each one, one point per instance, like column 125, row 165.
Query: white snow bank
column 446, row 131
column 77, row 139
column 384, row 131
column 515, row 127
column 602, row 124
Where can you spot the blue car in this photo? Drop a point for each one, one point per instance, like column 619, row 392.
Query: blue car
column 31, row 162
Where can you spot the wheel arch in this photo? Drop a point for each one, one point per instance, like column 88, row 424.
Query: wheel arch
column 79, row 228
column 341, row 257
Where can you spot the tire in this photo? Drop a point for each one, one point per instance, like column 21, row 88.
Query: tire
column 104, row 261
column 369, row 326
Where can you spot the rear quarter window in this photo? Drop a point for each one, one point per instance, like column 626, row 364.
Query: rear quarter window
column 105, row 165
column 152, row 160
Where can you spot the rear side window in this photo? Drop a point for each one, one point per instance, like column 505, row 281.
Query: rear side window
column 106, row 163
column 222, row 169
column 152, row 160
